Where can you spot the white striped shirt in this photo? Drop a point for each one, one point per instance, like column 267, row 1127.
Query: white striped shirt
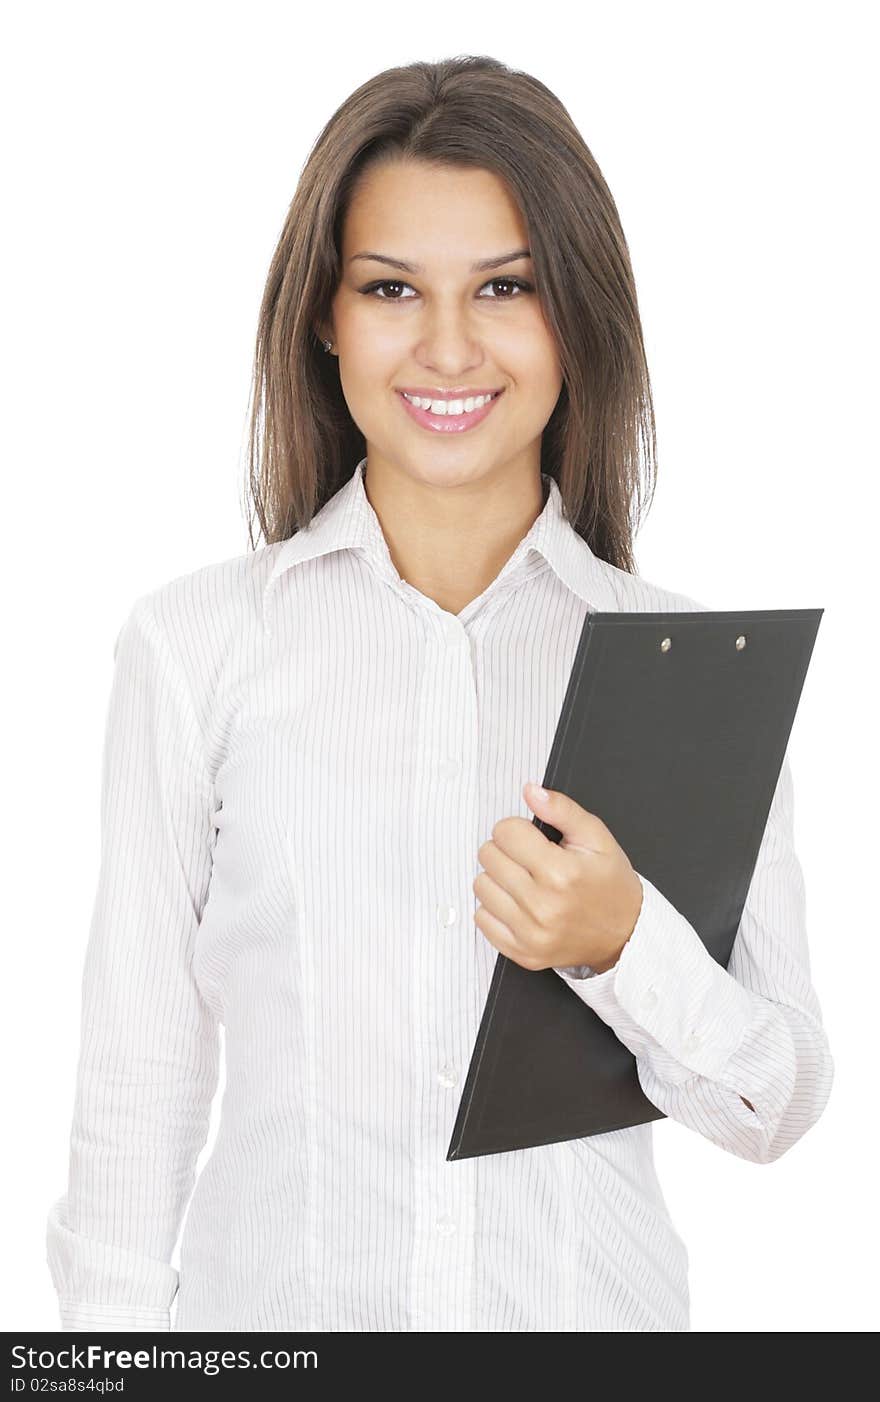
column 303, row 754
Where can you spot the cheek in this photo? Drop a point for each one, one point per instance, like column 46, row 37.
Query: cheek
column 540, row 377
column 531, row 358
column 369, row 335
column 368, row 361
column 547, row 365
column 370, row 358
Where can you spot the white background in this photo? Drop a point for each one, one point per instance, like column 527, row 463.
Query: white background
column 151, row 152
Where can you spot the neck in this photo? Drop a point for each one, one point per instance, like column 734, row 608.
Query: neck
column 450, row 539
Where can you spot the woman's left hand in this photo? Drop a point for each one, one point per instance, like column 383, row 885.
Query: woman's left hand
column 551, row 904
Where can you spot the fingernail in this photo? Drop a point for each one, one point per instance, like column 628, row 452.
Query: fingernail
column 541, row 795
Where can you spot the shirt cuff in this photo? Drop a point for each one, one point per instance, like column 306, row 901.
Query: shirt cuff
column 102, row 1285
column 667, row 990
column 79, row 1315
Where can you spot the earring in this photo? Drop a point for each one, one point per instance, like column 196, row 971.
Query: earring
column 328, row 345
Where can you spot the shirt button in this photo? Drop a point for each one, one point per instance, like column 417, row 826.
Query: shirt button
column 446, row 914
column 453, row 629
column 694, row 1041
column 449, row 768
column 447, row 1075
column 445, row 1226
column 650, row 999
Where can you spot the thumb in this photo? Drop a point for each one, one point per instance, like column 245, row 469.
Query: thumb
column 579, row 828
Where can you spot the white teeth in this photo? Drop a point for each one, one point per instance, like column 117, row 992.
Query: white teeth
column 449, row 406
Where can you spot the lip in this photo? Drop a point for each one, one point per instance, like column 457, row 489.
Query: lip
column 457, row 391
column 443, row 423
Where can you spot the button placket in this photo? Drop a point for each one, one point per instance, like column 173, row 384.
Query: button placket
column 444, row 839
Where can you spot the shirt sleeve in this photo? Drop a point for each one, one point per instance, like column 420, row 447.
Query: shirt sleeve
column 705, row 1038
column 149, row 1046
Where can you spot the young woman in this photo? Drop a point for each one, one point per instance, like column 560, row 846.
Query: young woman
column 317, row 822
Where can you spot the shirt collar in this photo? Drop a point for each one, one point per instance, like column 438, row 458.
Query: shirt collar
column 347, row 521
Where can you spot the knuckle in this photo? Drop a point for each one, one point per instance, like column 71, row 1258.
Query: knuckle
column 543, row 912
column 555, row 878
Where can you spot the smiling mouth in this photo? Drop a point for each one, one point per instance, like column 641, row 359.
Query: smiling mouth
column 449, row 415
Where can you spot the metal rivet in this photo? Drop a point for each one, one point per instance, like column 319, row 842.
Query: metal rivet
column 666, row 645
column 740, row 642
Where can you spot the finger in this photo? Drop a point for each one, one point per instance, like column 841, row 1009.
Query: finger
column 508, row 873
column 498, row 933
column 579, row 827
column 523, row 841
column 498, row 902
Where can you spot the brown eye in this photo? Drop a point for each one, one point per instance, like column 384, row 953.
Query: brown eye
column 374, row 287
column 515, row 287
column 512, row 282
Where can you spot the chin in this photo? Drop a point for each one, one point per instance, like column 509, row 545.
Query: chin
column 450, row 469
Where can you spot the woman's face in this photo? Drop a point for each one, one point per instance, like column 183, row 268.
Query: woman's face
column 442, row 327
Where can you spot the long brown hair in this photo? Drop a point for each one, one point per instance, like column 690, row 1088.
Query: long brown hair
column 463, row 111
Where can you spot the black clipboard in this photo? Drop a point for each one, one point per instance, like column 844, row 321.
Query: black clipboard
column 673, row 729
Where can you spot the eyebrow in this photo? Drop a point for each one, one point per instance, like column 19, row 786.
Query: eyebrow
column 482, row 265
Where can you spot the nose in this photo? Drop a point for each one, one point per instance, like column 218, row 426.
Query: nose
column 448, row 344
